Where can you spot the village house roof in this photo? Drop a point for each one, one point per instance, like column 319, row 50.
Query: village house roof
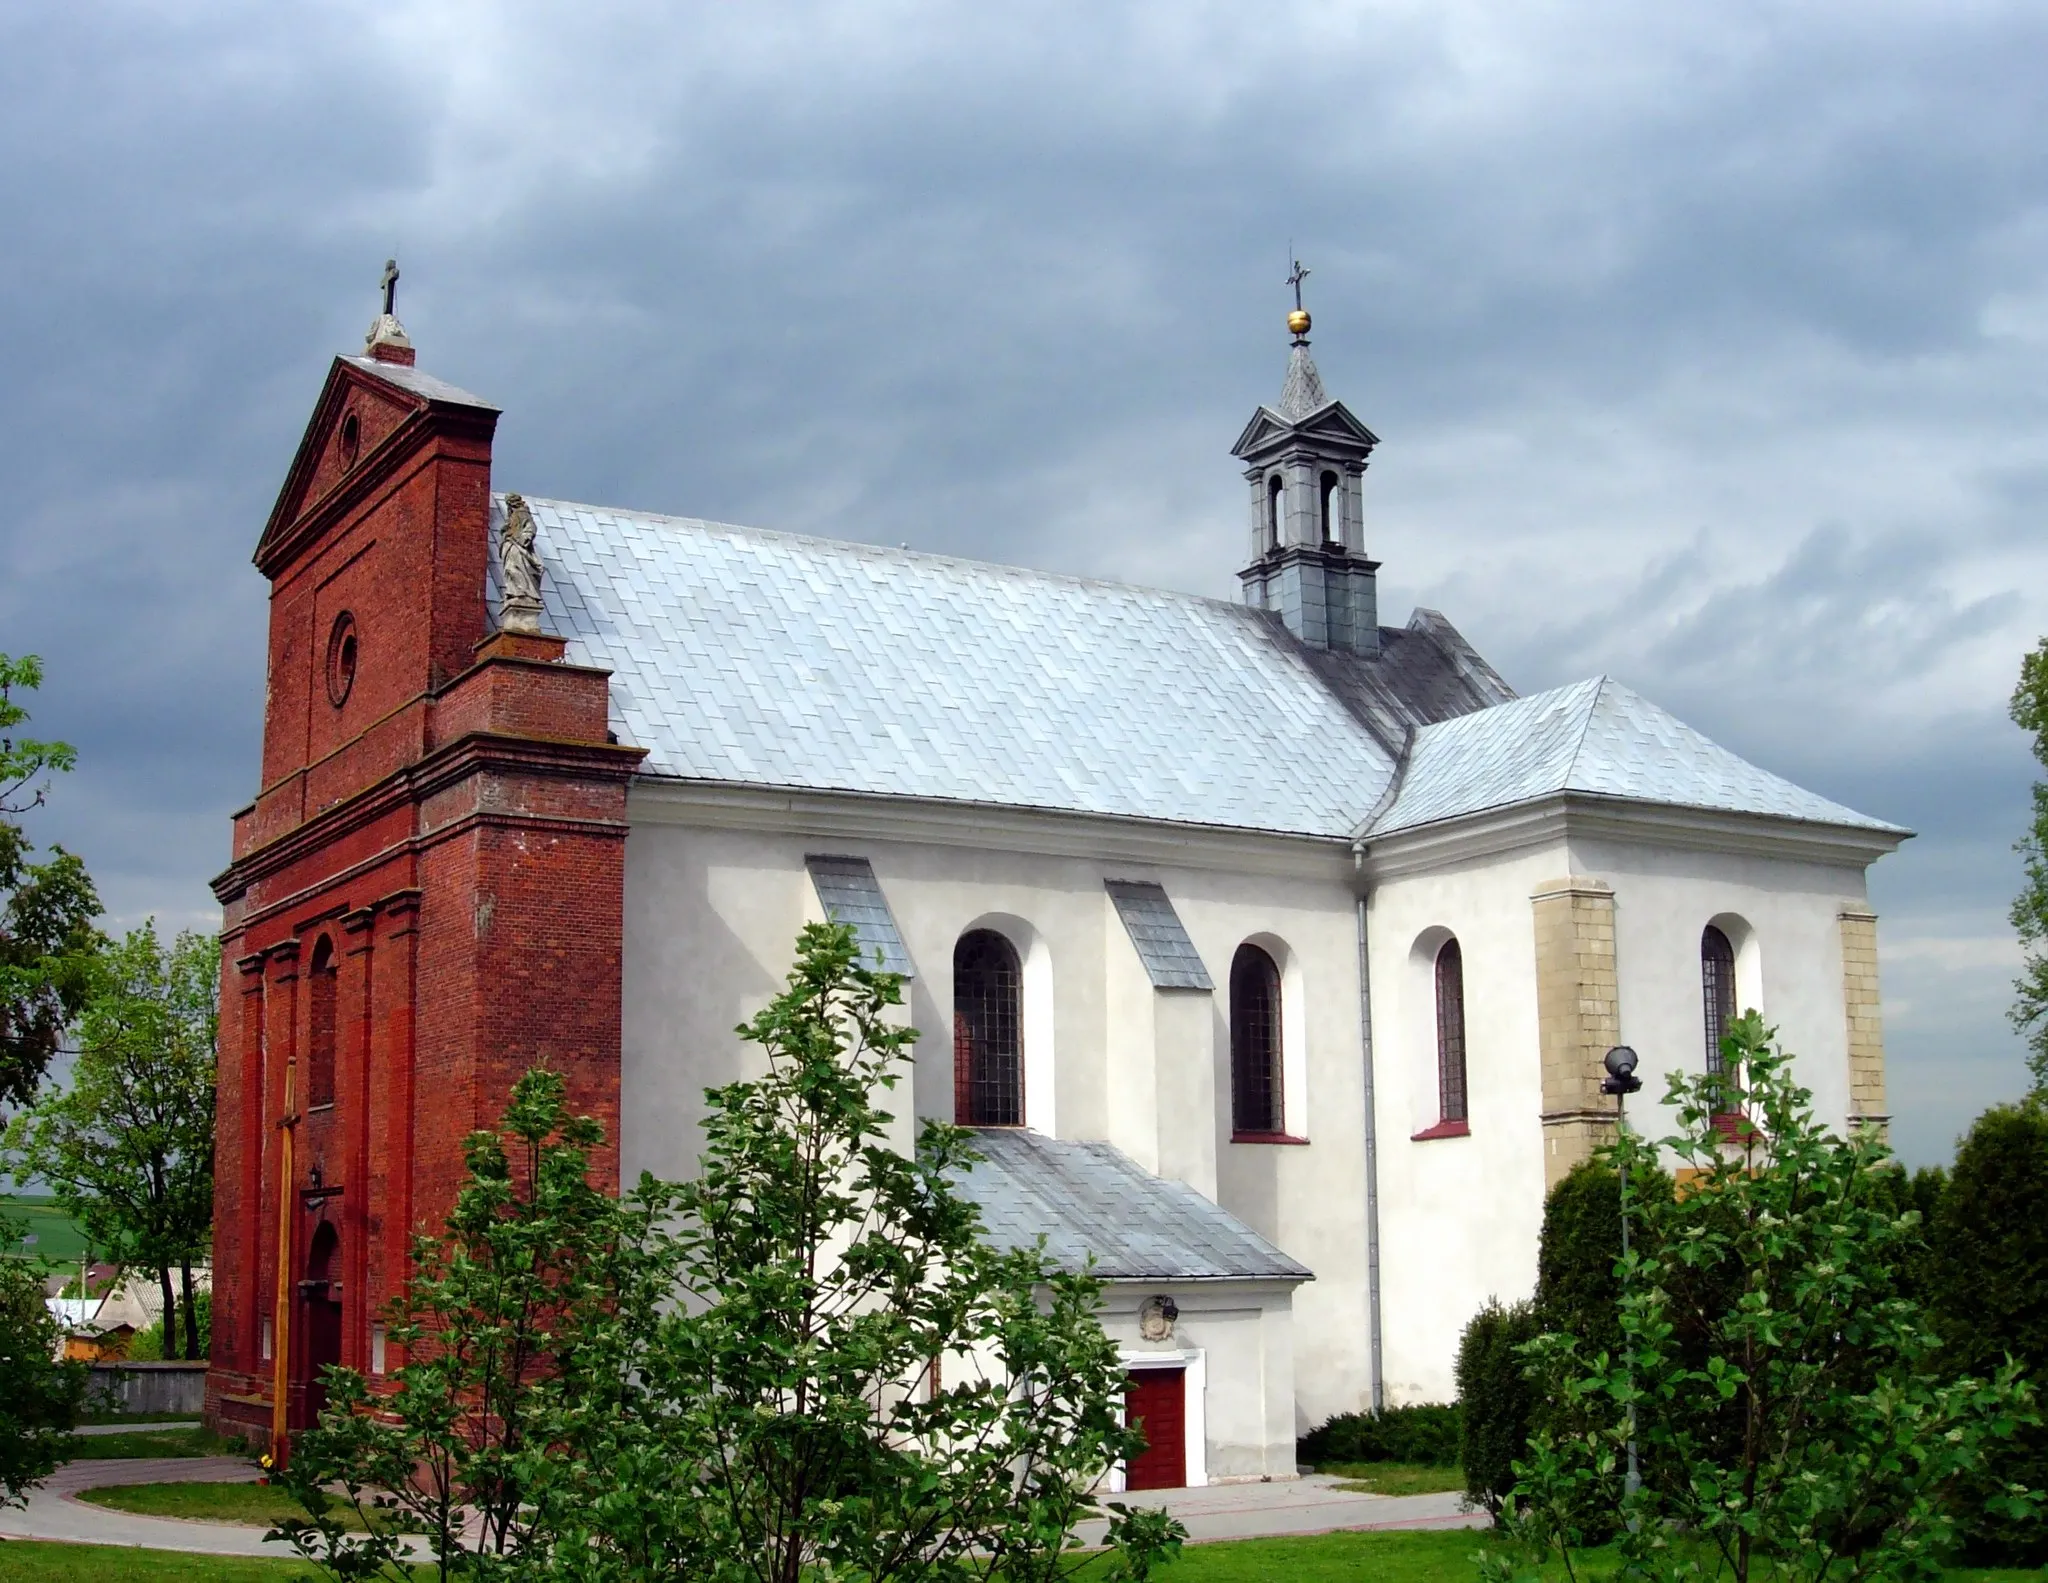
column 1093, row 1199
column 748, row 657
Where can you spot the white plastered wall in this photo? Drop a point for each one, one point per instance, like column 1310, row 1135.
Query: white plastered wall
column 1782, row 918
column 1458, row 1215
column 714, row 898
column 732, row 900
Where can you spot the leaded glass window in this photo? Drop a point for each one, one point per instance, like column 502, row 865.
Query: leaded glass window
column 988, row 1032
column 1450, row 1032
column 1255, row 1090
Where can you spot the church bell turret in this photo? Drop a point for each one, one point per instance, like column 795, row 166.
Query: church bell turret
column 1305, row 459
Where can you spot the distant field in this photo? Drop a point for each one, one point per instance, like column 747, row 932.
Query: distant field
column 56, row 1235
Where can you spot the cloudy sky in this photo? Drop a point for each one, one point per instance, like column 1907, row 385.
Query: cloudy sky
column 1705, row 345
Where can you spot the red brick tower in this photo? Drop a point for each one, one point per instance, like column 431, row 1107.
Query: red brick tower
column 425, row 897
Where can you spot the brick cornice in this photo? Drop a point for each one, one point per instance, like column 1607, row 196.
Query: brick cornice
column 476, row 753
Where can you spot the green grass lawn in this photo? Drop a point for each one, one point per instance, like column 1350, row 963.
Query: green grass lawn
column 1394, row 1478
column 139, row 1418
column 155, row 1443
column 258, row 1505
column 1325, row 1558
column 32, row 1561
column 1410, row 1557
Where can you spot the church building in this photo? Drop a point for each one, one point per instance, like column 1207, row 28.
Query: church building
column 1273, row 950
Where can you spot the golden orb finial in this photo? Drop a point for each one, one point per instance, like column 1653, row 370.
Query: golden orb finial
column 1298, row 321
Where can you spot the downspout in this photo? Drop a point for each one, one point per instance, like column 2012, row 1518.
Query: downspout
column 1375, row 1334
column 1376, row 1371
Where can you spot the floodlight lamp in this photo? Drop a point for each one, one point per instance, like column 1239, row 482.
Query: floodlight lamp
column 1621, row 1071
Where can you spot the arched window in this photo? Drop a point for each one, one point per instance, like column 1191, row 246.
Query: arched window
column 1276, row 497
column 1255, row 1086
column 1333, row 522
column 1450, row 1031
column 988, row 1032
column 1717, row 990
column 320, row 986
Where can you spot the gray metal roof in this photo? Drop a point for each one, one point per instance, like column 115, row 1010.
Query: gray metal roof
column 850, row 894
column 1595, row 737
column 1302, row 391
column 1170, row 958
column 768, row 659
column 1091, row 1198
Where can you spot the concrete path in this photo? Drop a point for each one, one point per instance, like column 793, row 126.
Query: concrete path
column 1308, row 1505
column 54, row 1511
column 134, row 1429
column 1311, row 1504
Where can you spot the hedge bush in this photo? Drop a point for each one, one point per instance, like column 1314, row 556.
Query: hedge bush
column 1496, row 1402
column 1988, row 1274
column 1426, row 1433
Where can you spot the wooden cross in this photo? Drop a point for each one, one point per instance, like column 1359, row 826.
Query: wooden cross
column 390, row 284
column 1300, row 274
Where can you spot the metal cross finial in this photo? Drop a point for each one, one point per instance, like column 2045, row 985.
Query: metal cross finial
column 390, row 283
column 1295, row 279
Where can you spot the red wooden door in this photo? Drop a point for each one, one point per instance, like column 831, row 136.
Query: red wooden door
column 1155, row 1402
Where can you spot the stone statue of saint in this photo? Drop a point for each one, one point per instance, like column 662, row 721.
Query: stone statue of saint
column 518, row 570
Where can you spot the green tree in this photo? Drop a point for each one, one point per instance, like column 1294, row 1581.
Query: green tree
column 46, row 909
column 127, row 1145
column 1989, row 1286
column 39, row 1397
column 1790, row 1409
column 730, row 1378
column 1495, row 1398
column 2030, row 907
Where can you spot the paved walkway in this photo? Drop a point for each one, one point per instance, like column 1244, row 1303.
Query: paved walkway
column 1311, row 1504
column 134, row 1429
column 54, row 1511
column 1308, row 1505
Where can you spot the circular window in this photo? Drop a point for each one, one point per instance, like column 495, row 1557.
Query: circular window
column 341, row 659
column 351, row 439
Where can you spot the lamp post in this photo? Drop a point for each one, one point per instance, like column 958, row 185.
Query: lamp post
column 1621, row 1081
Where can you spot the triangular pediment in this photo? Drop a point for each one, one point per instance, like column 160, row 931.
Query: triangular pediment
column 367, row 414
column 1331, row 425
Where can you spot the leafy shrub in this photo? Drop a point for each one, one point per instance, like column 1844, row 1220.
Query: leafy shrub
column 1426, row 1434
column 1988, row 1274
column 1770, row 1286
column 1495, row 1399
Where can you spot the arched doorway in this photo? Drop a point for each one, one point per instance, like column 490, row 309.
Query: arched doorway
column 319, row 1321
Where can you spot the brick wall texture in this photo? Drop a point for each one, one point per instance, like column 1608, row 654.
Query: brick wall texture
column 1865, row 1015
column 1578, row 1016
column 426, row 896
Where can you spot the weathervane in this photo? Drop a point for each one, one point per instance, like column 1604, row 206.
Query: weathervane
column 1298, row 321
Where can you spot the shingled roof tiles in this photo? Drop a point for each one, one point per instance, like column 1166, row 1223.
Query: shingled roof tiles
column 1597, row 738
column 747, row 657
column 1091, row 1198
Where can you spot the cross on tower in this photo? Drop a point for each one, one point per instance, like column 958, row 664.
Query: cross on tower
column 1301, row 273
column 390, row 284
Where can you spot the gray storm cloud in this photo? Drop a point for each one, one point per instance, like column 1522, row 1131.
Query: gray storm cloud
column 1705, row 347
